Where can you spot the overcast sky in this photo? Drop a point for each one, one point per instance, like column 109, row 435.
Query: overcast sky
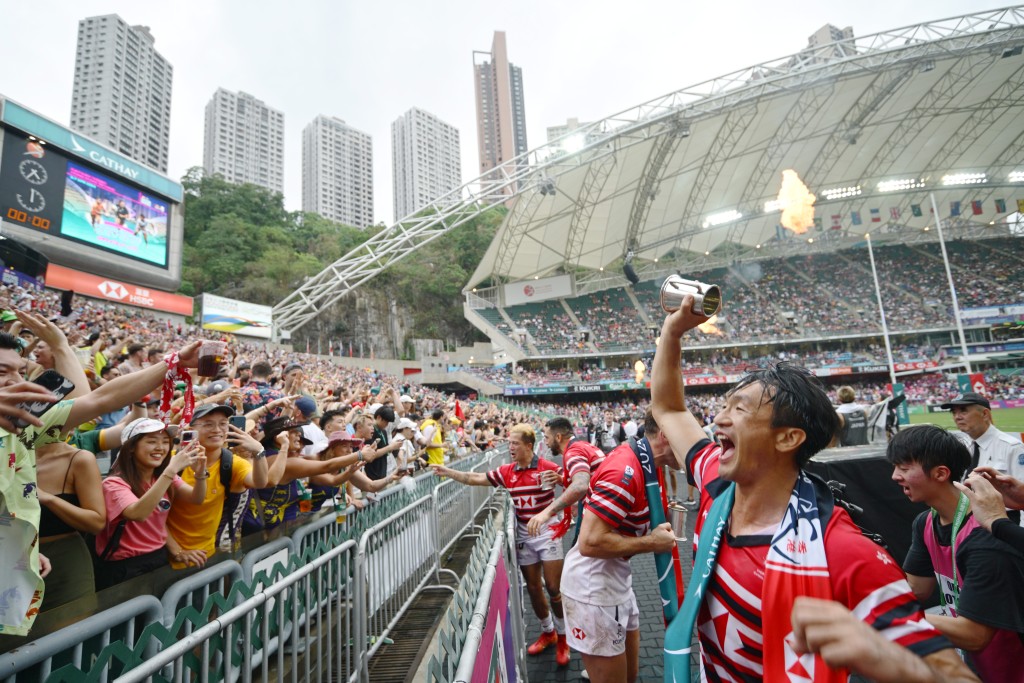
column 368, row 62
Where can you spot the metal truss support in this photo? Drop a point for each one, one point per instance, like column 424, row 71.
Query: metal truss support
column 739, row 91
column 807, row 106
column 593, row 185
column 650, row 178
column 729, row 136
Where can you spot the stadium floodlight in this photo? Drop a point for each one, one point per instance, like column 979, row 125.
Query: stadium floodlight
column 722, row 217
column 772, row 206
column 1017, row 177
column 900, row 184
column 964, row 179
column 841, row 192
column 574, row 143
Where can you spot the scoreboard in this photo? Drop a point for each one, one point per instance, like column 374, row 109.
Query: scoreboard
column 86, row 206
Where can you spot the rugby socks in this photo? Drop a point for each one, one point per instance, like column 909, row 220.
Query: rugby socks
column 559, row 625
column 547, row 625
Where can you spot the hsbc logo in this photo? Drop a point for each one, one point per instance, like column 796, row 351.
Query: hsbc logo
column 113, row 290
column 578, row 634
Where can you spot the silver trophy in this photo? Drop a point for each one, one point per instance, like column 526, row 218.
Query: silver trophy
column 677, row 518
column 707, row 299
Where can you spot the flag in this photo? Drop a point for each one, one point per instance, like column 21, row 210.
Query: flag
column 976, row 207
column 895, row 213
column 1020, row 206
column 916, row 210
column 954, row 208
column 875, row 216
column 855, row 217
column 458, row 411
column 1000, row 206
column 837, row 221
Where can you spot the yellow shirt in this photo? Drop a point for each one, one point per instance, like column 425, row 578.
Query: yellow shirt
column 435, row 453
column 194, row 527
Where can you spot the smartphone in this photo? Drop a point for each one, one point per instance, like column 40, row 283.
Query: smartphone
column 187, row 437
column 59, row 385
column 237, row 421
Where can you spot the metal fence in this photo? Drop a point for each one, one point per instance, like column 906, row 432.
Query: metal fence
column 314, row 607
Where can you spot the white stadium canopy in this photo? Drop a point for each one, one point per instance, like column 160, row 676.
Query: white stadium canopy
column 873, row 122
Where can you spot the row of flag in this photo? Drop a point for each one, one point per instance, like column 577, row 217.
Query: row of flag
column 956, row 208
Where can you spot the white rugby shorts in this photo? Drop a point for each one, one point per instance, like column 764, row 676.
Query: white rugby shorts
column 599, row 629
column 539, row 548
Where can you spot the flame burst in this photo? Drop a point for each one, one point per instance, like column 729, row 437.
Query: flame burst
column 640, row 369
column 710, row 327
column 797, row 203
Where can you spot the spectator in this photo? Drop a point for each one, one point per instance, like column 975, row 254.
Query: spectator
column 980, row 580
column 142, row 488
column 258, row 392
column 853, row 419
column 192, row 528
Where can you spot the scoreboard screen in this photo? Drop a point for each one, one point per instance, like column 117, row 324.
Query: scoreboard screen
column 41, row 190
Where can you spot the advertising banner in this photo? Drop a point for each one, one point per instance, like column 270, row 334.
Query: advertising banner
column 85, row 284
column 916, row 365
column 236, row 317
column 495, row 659
column 538, row 290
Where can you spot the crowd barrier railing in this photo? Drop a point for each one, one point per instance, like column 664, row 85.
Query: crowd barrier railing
column 87, row 645
column 338, row 587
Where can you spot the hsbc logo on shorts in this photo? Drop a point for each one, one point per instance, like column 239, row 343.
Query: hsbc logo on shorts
column 113, row 290
column 578, row 634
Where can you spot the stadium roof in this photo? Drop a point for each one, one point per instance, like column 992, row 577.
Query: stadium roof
column 918, row 104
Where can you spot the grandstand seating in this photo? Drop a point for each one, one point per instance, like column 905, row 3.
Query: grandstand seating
column 813, row 296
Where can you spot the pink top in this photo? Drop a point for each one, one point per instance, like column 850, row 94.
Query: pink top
column 139, row 537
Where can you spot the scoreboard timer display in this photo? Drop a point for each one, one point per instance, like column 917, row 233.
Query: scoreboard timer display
column 42, row 190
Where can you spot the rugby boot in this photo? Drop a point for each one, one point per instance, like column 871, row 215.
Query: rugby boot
column 546, row 639
column 562, row 651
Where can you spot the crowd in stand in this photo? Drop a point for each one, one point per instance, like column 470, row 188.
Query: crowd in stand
column 803, row 297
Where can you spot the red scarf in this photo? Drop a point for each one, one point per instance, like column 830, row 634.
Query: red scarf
column 176, row 372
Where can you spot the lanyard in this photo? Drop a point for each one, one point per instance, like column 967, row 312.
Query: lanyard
column 962, row 508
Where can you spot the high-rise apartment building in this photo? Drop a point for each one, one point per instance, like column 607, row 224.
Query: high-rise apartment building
column 337, row 172
column 122, row 90
column 243, row 140
column 425, row 160
column 500, row 106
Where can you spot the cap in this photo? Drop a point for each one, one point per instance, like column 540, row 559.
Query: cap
column 967, row 399
column 281, row 424
column 7, row 317
column 406, row 398
column 374, row 407
column 291, row 366
column 216, row 387
column 207, row 408
column 342, row 436
column 405, row 423
column 143, row 425
column 306, row 406
column 244, row 365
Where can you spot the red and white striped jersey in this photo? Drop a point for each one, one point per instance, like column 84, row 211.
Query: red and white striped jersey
column 524, row 486
column 581, row 456
column 864, row 578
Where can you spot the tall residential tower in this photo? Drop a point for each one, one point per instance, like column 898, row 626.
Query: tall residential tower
column 122, row 90
column 244, row 140
column 337, row 172
column 500, row 107
column 425, row 160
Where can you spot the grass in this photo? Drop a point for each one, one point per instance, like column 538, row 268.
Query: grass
column 1005, row 419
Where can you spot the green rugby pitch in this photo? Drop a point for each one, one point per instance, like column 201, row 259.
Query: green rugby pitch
column 1006, row 419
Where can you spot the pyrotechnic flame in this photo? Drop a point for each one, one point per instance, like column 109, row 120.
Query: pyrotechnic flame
column 640, row 369
column 797, row 203
column 710, row 327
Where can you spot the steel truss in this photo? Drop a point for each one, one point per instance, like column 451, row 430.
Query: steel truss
column 873, row 53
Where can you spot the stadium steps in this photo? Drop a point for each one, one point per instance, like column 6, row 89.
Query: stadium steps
column 765, row 301
column 638, row 306
column 788, row 264
column 579, row 326
column 490, row 329
column 530, row 345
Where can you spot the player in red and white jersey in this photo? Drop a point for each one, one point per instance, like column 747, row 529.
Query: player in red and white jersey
column 539, row 556
column 580, row 460
column 601, row 611
column 773, row 422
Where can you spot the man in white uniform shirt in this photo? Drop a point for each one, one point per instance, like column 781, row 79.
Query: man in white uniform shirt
column 988, row 446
